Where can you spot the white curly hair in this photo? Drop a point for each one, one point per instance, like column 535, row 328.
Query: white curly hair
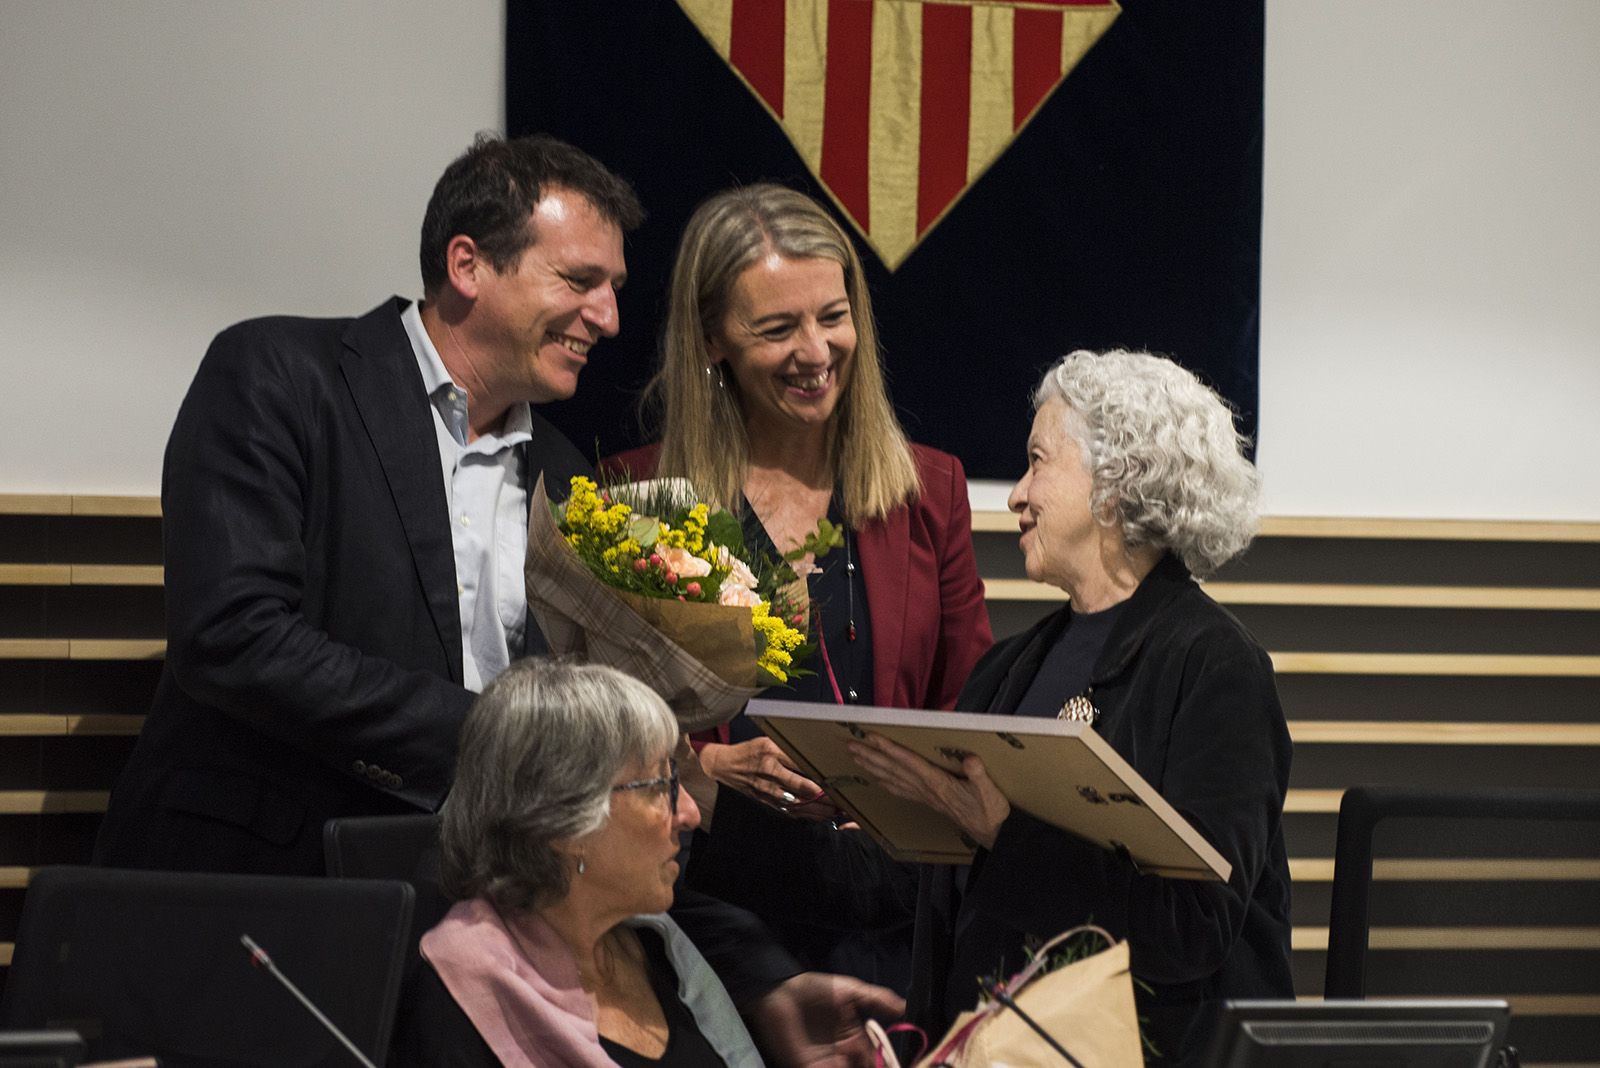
column 1163, row 451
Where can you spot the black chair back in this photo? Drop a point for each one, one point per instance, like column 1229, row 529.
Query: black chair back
column 1472, row 892
column 391, row 847
column 150, row 963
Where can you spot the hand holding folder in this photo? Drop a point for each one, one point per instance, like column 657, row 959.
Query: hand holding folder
column 1060, row 771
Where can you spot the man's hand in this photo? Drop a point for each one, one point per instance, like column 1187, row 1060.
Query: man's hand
column 813, row 1020
column 760, row 770
column 971, row 800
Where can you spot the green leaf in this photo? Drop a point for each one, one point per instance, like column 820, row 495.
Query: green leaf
column 820, row 542
column 645, row 530
column 724, row 530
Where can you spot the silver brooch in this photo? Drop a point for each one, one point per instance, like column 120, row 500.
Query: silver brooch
column 1079, row 709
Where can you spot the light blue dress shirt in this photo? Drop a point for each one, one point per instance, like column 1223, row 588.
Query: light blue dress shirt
column 486, row 489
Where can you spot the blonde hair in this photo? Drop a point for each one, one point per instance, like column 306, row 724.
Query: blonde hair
column 702, row 425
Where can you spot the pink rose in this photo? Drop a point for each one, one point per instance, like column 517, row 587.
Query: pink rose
column 640, row 565
column 693, row 589
column 683, row 562
column 672, row 580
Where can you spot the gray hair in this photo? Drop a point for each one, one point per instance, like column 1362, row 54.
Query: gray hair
column 539, row 751
column 1163, row 451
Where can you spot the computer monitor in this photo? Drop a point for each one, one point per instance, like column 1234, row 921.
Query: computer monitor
column 40, row 1049
column 1434, row 1033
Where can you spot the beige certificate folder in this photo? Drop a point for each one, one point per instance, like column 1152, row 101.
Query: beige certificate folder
column 1061, row 772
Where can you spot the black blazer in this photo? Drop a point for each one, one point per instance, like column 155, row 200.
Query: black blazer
column 314, row 648
column 1186, row 695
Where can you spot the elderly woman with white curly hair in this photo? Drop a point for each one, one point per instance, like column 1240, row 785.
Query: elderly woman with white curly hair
column 1136, row 484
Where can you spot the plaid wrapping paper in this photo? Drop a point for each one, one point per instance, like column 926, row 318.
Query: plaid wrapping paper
column 700, row 658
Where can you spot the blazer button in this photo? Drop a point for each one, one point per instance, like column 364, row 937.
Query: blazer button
column 375, row 773
column 359, row 767
column 395, row 782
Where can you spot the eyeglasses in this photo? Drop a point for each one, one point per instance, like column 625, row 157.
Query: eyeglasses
column 670, row 781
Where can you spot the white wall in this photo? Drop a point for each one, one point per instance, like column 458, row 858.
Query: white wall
column 170, row 166
column 1431, row 259
column 1430, row 333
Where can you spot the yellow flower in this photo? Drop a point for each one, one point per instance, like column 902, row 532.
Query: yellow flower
column 781, row 640
column 694, row 528
column 582, row 503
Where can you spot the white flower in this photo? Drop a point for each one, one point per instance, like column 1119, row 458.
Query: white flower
column 732, row 593
column 738, row 573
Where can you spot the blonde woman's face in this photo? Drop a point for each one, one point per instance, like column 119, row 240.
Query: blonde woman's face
column 788, row 342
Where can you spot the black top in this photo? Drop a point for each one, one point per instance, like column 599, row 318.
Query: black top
column 839, row 604
column 686, row 1046
column 1069, row 665
column 432, row 1030
column 834, row 898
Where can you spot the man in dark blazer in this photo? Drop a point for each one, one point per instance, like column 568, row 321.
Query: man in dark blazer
column 315, row 663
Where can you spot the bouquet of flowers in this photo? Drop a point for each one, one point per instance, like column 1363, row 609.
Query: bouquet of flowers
column 650, row 581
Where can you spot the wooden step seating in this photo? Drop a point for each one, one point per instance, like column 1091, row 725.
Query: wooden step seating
column 1407, row 651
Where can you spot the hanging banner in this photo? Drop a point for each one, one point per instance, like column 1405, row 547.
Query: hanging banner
column 898, row 106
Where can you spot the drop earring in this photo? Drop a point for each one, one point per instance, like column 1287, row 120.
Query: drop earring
column 582, row 867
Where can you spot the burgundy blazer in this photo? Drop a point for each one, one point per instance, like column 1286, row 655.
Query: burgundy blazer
column 924, row 597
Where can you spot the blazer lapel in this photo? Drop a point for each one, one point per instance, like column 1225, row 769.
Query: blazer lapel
column 381, row 371
column 885, row 547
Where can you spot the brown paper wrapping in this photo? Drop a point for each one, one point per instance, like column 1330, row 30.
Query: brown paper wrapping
column 701, row 658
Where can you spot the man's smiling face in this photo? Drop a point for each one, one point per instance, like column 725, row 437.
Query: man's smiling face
column 541, row 316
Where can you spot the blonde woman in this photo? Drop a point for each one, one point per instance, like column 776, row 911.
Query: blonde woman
column 771, row 400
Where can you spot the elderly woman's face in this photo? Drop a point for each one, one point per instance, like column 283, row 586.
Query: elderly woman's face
column 1060, row 538
column 631, row 863
column 787, row 340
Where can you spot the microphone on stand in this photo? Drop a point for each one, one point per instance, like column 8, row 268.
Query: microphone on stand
column 259, row 958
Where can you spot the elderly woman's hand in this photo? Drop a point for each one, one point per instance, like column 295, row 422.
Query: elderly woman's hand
column 970, row 800
column 759, row 769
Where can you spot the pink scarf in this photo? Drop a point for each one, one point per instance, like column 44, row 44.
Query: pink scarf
column 532, row 1015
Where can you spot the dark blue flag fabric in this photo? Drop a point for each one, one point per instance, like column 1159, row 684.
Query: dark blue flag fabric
column 1113, row 201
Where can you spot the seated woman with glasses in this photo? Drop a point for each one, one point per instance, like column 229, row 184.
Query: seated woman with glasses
column 559, row 842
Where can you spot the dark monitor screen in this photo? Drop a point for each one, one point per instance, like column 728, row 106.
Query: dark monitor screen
column 40, row 1049
column 1360, row 1034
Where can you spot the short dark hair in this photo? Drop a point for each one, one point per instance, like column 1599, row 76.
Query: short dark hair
column 490, row 190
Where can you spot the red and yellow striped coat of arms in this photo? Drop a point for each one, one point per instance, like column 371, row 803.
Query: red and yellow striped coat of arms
column 898, row 106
